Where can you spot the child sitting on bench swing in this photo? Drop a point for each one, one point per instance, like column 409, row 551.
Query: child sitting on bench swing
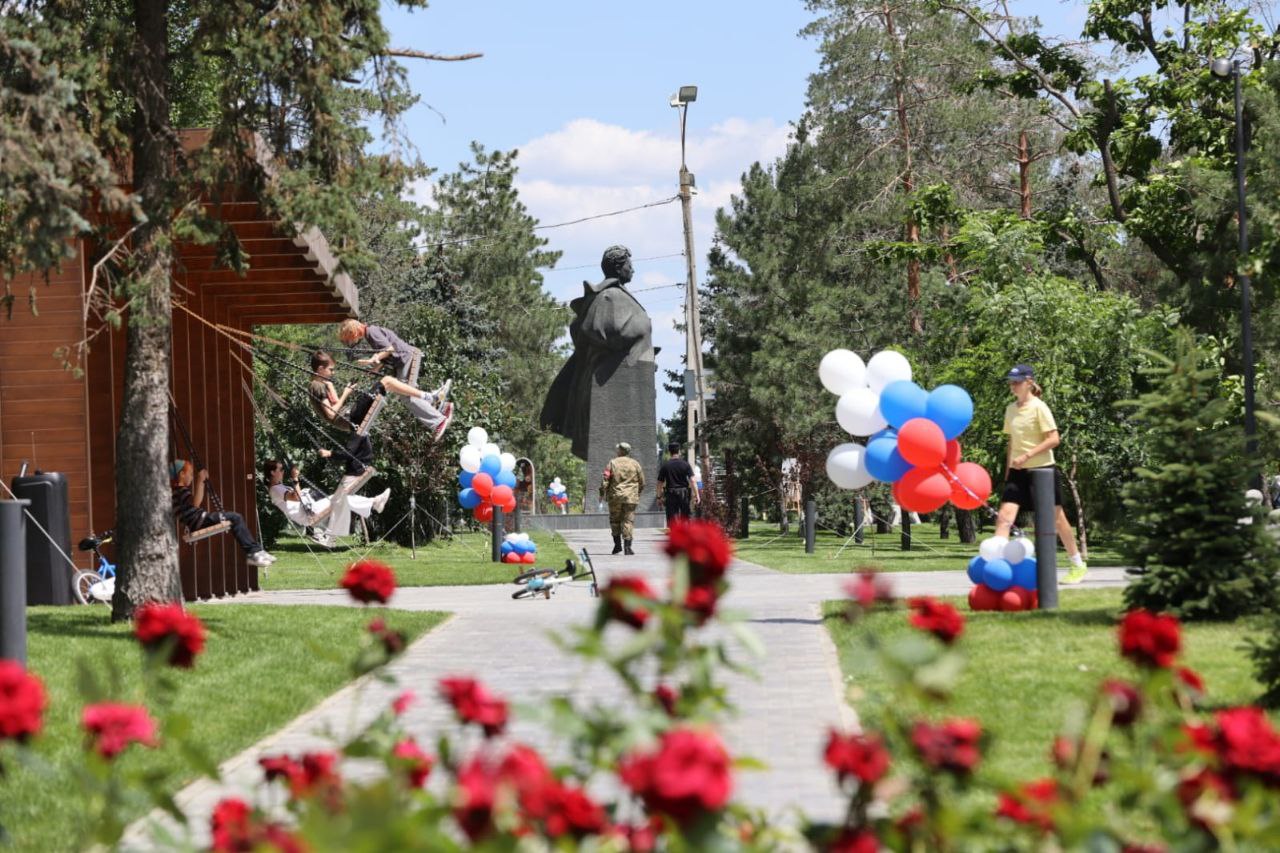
column 188, row 500
column 386, row 347
column 329, row 404
column 309, row 508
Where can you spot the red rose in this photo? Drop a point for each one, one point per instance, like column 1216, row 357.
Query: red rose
column 700, row 601
column 278, row 767
column 316, row 775
column 231, row 828
column 941, row 620
column 666, row 696
column 687, row 776
column 862, row 757
column 572, row 812
column 704, row 545
column 1125, row 700
column 22, row 702
column 168, row 628
column 852, row 840
column 1135, row 847
column 1150, row 639
column 113, row 726
column 952, row 746
column 393, row 642
column 474, row 704
column 1201, row 793
column 624, row 599
column 1190, row 679
column 1033, row 803
column 640, row 837
column 415, row 763
column 474, row 801
column 1247, row 743
column 402, row 702
column 523, row 769
column 1199, row 737
column 369, row 580
column 869, row 588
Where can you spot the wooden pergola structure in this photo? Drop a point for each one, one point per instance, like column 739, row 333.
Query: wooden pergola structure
column 59, row 421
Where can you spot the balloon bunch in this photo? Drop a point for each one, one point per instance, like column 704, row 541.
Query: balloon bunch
column 518, row 548
column 488, row 476
column 558, row 493
column 1005, row 575
column 912, row 433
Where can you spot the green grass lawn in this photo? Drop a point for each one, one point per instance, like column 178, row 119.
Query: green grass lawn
column 463, row 559
column 881, row 551
column 1026, row 671
column 260, row 669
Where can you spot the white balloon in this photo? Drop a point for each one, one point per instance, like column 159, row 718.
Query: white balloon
column 847, row 466
column 1018, row 550
column 842, row 371
column 858, row 412
column 477, row 437
column 508, row 461
column 556, row 481
column 993, row 548
column 469, row 459
column 887, row 366
column 490, row 449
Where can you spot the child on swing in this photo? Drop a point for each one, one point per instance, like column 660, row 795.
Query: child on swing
column 188, row 502
column 328, row 403
column 386, row 347
column 334, row 510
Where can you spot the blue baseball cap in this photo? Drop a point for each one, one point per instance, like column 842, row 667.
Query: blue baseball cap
column 1019, row 372
column 176, row 468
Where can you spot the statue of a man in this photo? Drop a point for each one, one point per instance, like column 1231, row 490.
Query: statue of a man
column 610, row 329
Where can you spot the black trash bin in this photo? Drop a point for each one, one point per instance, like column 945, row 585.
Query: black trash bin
column 48, row 575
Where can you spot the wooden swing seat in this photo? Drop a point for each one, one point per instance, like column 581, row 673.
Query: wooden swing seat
column 355, row 486
column 366, row 423
column 193, row 536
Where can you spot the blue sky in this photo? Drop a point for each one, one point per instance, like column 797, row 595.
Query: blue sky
column 581, row 89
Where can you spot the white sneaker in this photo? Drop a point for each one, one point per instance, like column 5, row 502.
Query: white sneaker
column 442, row 393
column 380, row 502
column 261, row 559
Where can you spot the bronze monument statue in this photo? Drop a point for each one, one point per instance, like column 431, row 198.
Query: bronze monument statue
column 605, row 392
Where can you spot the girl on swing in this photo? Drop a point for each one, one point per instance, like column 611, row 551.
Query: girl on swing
column 328, row 403
column 333, row 510
column 386, row 347
column 188, row 500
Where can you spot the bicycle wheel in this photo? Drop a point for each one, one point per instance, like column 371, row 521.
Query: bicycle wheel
column 525, row 592
column 525, row 577
column 80, row 584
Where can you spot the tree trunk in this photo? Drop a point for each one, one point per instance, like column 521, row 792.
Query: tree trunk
column 1024, row 176
column 965, row 527
column 900, row 84
column 146, row 547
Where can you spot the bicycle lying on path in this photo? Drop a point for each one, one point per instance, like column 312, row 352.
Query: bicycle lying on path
column 544, row 581
column 95, row 586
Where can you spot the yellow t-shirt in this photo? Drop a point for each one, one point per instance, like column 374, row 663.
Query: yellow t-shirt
column 1026, row 427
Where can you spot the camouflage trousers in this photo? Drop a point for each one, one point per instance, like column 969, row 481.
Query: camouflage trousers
column 622, row 519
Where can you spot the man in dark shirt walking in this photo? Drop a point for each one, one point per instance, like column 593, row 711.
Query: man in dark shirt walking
column 675, row 485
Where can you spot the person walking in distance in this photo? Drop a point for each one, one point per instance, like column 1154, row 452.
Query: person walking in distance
column 675, row 485
column 621, row 486
column 1033, row 434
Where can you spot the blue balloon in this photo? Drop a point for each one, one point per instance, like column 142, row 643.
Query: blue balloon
column 464, row 479
column 888, row 432
column 491, row 465
column 505, row 478
column 998, row 575
column 468, row 499
column 950, row 407
column 884, row 462
column 506, row 548
column 903, row 400
column 1024, row 574
column 517, row 546
column 976, row 568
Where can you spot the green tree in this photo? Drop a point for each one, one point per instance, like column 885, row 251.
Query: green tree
column 1200, row 548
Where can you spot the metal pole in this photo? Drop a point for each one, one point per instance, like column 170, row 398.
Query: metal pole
column 810, row 525
column 906, row 528
column 745, row 515
column 1046, row 537
column 696, row 409
column 1246, row 325
column 13, row 580
column 413, row 523
column 515, row 518
column 859, row 519
column 495, row 525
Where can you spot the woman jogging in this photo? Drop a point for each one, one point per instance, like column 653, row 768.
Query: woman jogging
column 1033, row 434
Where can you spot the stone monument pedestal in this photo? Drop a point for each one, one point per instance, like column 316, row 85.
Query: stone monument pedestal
column 624, row 408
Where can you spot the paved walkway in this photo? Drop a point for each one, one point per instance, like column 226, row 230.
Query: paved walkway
column 784, row 714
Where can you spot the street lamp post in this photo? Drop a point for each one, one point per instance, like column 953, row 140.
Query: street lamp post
column 695, row 390
column 1230, row 69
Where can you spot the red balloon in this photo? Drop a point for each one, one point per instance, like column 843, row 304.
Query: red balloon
column 1035, row 599
column 528, row 558
column 484, row 512
column 498, row 495
column 482, row 483
column 923, row 489
column 511, row 557
column 983, row 597
column 952, row 458
column 976, row 486
column 920, row 441
column 510, row 506
column 1015, row 598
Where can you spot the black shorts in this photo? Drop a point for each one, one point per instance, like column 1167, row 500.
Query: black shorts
column 1017, row 488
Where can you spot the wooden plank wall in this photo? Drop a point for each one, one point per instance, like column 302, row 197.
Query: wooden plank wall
column 43, row 406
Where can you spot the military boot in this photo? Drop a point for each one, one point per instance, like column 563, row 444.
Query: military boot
column 627, row 543
column 617, row 545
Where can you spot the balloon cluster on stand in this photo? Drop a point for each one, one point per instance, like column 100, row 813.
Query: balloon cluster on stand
column 1005, row 575
column 558, row 494
column 488, row 476
column 518, row 548
column 911, row 433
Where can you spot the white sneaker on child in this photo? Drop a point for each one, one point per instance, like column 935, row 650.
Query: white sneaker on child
column 444, row 422
column 261, row 559
column 380, row 502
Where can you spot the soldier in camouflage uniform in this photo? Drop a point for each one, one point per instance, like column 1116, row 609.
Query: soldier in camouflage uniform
column 621, row 487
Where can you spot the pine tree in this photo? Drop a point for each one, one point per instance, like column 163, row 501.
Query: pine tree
column 1195, row 556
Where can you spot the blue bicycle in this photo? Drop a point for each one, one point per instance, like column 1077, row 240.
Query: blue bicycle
column 95, row 586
